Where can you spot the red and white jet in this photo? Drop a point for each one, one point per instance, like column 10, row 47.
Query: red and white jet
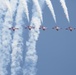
column 13, row 28
column 43, row 28
column 56, row 28
column 70, row 28
column 29, row 27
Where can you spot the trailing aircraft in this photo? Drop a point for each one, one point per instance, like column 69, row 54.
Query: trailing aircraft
column 70, row 28
column 13, row 28
column 56, row 28
column 43, row 28
column 29, row 27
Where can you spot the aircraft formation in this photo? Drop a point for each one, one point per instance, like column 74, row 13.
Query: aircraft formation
column 57, row 28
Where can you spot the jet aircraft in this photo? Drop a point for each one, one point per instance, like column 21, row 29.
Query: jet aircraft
column 57, row 28
column 70, row 28
column 29, row 27
column 13, row 28
column 43, row 28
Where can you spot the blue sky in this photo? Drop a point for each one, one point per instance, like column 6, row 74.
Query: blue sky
column 57, row 50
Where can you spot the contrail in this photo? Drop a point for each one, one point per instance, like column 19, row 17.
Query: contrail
column 38, row 9
column 6, row 4
column 25, row 6
column 17, row 44
column 2, row 13
column 5, row 54
column 31, row 55
column 49, row 4
column 63, row 4
column 6, row 44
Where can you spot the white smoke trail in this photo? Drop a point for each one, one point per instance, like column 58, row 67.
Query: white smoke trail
column 63, row 4
column 0, row 31
column 1, row 51
column 31, row 55
column 6, row 4
column 36, row 3
column 6, row 47
column 17, row 44
column 5, row 54
column 25, row 6
column 48, row 2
